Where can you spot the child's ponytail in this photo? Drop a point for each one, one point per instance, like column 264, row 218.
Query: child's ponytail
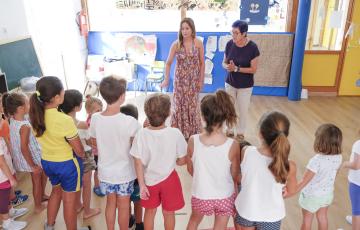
column 37, row 115
column 280, row 164
column 274, row 128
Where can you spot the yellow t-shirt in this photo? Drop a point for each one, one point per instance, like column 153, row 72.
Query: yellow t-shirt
column 59, row 128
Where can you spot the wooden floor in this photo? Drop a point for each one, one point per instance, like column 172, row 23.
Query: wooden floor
column 305, row 117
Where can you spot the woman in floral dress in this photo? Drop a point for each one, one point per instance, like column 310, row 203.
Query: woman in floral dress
column 189, row 78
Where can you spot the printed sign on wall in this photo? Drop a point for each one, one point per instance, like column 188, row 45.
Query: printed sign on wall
column 254, row 11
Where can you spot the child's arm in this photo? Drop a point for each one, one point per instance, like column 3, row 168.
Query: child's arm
column 234, row 157
column 24, row 139
column 291, row 182
column 190, row 150
column 144, row 192
column 5, row 169
column 77, row 146
column 355, row 164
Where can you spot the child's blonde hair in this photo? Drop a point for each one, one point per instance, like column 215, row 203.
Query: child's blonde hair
column 328, row 140
column 90, row 102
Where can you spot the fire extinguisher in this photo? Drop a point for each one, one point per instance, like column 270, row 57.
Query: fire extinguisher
column 82, row 23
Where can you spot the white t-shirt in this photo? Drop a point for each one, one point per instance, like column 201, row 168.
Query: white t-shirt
column 113, row 133
column 354, row 175
column 325, row 168
column 4, row 152
column 158, row 151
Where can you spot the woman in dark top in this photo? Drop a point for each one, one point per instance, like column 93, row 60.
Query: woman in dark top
column 240, row 60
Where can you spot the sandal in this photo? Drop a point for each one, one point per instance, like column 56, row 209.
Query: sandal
column 98, row 192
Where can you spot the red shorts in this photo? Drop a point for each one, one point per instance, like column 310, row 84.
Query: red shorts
column 219, row 207
column 168, row 193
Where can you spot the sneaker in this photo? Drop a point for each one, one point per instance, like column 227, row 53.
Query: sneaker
column 17, row 212
column 348, row 219
column 131, row 222
column 139, row 226
column 98, row 192
column 11, row 224
column 18, row 192
column 19, row 200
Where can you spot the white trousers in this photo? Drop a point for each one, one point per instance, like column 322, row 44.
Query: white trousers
column 241, row 99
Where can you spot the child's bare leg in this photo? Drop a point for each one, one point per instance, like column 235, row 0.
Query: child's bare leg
column 149, row 218
column 169, row 220
column 86, row 193
column 44, row 179
column 221, row 222
column 321, row 216
column 138, row 212
column 355, row 222
column 96, row 179
column 54, row 204
column 123, row 204
column 110, row 211
column 69, row 202
column 37, row 191
column 194, row 220
column 307, row 220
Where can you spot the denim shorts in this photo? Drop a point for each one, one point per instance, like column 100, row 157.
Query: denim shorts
column 124, row 189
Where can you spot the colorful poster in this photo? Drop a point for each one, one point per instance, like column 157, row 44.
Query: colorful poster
column 254, row 11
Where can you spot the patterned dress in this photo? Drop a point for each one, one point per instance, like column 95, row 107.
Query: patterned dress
column 186, row 115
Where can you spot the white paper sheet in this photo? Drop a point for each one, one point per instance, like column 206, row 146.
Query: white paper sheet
column 223, row 41
column 209, row 55
column 209, row 65
column 211, row 43
column 208, row 79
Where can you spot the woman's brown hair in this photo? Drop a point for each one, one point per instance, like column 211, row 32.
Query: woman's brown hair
column 191, row 24
column 328, row 140
column 46, row 89
column 217, row 108
column 274, row 129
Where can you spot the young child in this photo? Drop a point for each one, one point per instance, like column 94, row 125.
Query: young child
column 61, row 149
column 71, row 105
column 16, row 197
column 7, row 180
column 26, row 151
column 213, row 161
column 265, row 170
column 354, row 183
column 157, row 149
column 317, row 185
column 111, row 132
column 94, row 105
column 132, row 111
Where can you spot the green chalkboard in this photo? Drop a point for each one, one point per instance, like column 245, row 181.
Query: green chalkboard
column 18, row 60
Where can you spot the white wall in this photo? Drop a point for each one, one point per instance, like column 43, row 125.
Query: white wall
column 13, row 24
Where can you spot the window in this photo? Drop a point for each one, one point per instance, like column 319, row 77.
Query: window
column 165, row 15
column 326, row 24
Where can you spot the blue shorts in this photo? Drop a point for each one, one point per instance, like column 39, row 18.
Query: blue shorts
column 67, row 174
column 135, row 195
column 258, row 225
column 125, row 189
column 354, row 192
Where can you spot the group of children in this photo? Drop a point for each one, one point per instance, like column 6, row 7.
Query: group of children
column 231, row 178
